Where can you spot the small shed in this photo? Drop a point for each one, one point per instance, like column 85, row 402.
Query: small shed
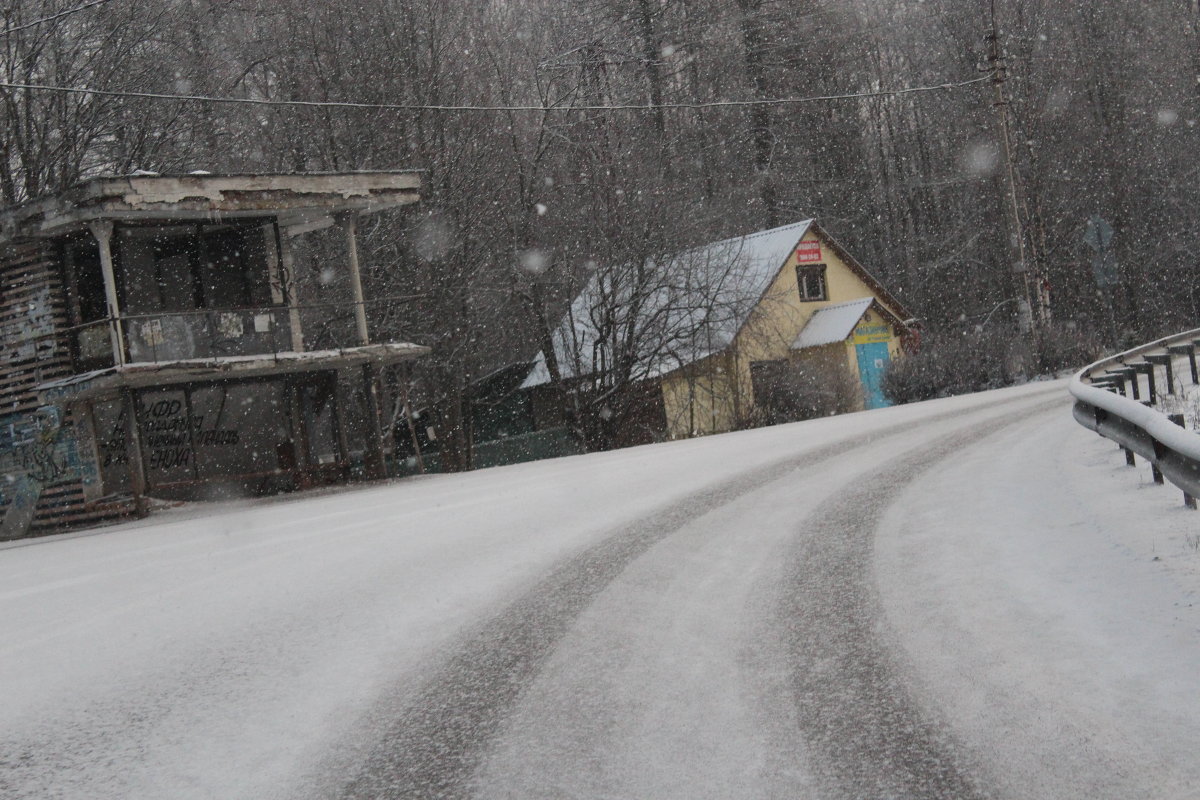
column 155, row 343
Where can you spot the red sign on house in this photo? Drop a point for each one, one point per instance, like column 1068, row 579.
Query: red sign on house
column 808, row 252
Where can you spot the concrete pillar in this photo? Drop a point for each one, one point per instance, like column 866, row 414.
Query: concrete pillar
column 103, row 231
column 375, row 465
column 287, row 259
column 350, row 226
column 133, row 452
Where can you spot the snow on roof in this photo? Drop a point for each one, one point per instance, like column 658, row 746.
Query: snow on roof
column 832, row 323
column 692, row 307
column 539, row 374
column 293, row 198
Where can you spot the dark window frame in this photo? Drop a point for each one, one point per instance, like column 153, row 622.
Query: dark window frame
column 247, row 267
column 812, row 283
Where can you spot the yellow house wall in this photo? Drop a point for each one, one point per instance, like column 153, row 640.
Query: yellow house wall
column 722, row 401
column 852, row 365
column 701, row 399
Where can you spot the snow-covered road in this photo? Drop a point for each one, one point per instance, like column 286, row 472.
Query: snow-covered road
column 964, row 598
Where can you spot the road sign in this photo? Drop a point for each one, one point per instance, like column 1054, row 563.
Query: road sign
column 1099, row 236
column 1099, row 233
column 1104, row 269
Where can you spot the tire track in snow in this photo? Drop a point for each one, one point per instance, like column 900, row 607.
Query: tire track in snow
column 433, row 747
column 856, row 714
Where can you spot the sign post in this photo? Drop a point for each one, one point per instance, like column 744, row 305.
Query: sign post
column 1099, row 236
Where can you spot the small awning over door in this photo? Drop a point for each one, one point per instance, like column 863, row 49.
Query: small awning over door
column 832, row 324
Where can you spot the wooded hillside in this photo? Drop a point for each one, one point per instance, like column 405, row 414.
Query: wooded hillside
column 558, row 136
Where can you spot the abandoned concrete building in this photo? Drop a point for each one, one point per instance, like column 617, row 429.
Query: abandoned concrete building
column 153, row 343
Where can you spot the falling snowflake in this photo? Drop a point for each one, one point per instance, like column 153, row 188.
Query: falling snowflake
column 1167, row 116
column 533, row 261
column 982, row 158
column 433, row 239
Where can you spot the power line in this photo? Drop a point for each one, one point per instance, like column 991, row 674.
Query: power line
column 53, row 17
column 481, row 108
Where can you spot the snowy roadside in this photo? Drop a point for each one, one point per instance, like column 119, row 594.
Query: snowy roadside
column 1053, row 620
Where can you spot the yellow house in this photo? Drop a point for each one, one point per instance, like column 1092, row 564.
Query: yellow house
column 778, row 325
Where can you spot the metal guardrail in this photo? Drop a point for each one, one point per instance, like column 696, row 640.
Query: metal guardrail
column 1117, row 397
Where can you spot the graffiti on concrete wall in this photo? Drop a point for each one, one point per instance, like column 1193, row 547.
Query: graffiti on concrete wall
column 170, row 435
column 30, row 335
column 170, row 431
column 185, row 433
column 36, row 451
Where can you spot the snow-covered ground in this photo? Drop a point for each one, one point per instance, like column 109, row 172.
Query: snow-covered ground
column 1034, row 595
column 1053, row 612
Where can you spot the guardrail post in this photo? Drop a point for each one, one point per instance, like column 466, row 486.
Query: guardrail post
column 1178, row 419
column 1188, row 350
column 1128, row 374
column 1147, row 369
column 1162, row 360
column 1129, row 459
column 1159, row 452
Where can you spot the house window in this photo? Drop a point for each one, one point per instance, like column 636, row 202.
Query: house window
column 173, row 268
column 811, row 280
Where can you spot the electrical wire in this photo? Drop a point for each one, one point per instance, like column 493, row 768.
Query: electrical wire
column 482, row 108
column 51, row 18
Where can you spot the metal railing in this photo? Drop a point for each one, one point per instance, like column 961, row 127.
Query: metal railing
column 1142, row 400
column 206, row 334
column 168, row 336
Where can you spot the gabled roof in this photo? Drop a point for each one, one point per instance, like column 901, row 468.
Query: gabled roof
column 700, row 303
column 832, row 323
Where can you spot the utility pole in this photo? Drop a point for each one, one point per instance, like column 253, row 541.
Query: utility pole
column 1030, row 284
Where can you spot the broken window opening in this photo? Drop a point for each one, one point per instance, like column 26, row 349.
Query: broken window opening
column 177, row 268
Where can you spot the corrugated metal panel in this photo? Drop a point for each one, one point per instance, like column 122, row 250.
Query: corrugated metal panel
column 832, row 324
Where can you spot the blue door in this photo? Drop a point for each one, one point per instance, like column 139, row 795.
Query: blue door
column 872, row 361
